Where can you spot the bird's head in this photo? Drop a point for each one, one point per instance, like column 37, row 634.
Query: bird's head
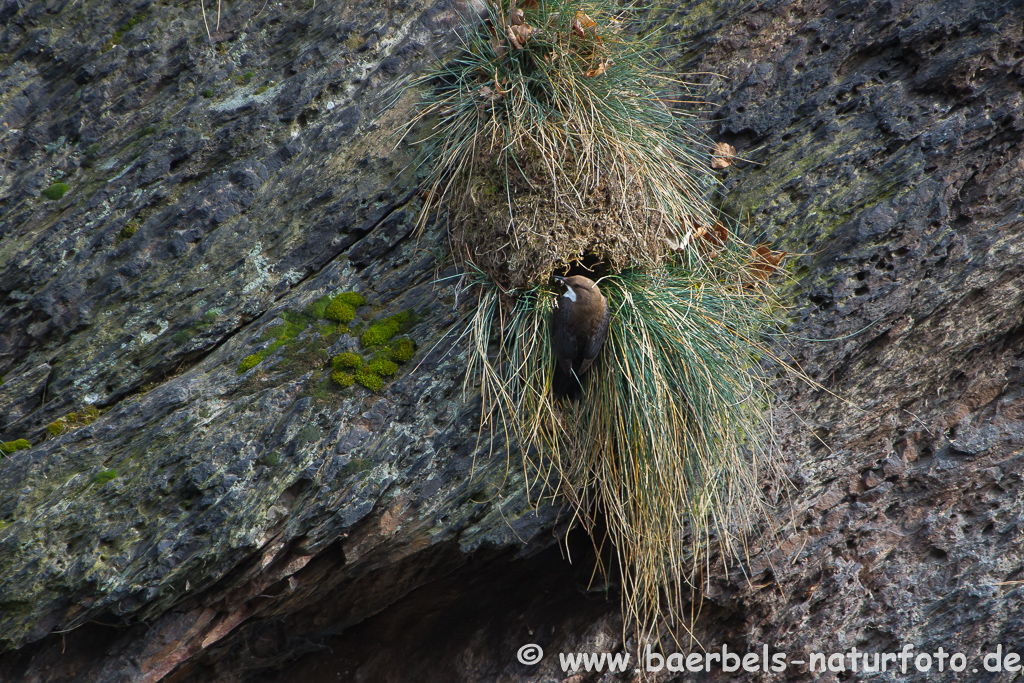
column 578, row 286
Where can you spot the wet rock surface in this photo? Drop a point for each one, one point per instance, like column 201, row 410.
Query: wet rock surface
column 216, row 184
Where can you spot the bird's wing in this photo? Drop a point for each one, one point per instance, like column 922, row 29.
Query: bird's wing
column 565, row 344
column 595, row 342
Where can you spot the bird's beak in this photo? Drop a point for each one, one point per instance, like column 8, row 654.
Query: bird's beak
column 559, row 279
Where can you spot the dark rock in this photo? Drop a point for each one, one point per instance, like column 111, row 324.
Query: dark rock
column 261, row 527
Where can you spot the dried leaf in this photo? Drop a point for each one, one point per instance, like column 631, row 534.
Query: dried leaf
column 765, row 261
column 516, row 16
column 718, row 235
column 513, row 40
column 522, row 33
column 599, row 69
column 581, row 22
column 723, row 155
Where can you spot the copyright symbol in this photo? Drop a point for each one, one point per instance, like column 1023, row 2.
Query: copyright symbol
column 529, row 654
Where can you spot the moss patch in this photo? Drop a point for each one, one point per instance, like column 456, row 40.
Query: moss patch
column 71, row 421
column 8, row 447
column 104, row 477
column 130, row 228
column 347, row 361
column 368, row 369
column 55, row 191
column 372, row 382
column 383, row 331
column 119, row 33
column 343, row 378
column 342, row 308
column 402, row 350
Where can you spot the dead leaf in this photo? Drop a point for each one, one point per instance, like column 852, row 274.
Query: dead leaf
column 718, row 235
column 581, row 22
column 599, row 69
column 516, row 16
column 498, row 46
column 765, row 261
column 523, row 32
column 724, row 153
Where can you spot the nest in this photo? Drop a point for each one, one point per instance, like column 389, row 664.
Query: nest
column 555, row 138
column 516, row 225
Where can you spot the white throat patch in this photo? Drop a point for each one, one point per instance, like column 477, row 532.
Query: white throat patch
column 569, row 294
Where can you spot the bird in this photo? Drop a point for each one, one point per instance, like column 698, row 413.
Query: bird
column 579, row 325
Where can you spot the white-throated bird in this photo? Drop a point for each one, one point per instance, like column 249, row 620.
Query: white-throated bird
column 578, row 328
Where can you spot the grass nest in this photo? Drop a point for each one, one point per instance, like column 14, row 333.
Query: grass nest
column 554, row 135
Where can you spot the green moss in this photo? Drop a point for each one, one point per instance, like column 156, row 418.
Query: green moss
column 148, row 130
column 381, row 366
column 183, row 336
column 370, row 381
column 55, row 191
column 116, row 38
column 318, row 308
column 249, row 362
column 353, row 299
column 8, row 447
column 208, row 318
column 104, row 477
column 402, row 350
column 71, row 421
column 130, row 228
column 285, row 333
column 272, row 458
column 343, row 378
column 294, row 324
column 341, row 307
column 340, row 311
column 382, row 332
column 347, row 361
column 358, row 465
column 207, row 93
column 260, row 90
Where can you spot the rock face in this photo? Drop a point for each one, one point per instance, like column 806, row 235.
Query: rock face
column 212, row 525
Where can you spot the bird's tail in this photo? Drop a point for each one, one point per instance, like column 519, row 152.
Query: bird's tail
column 566, row 386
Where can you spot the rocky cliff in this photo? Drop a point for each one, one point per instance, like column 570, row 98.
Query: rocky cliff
column 183, row 196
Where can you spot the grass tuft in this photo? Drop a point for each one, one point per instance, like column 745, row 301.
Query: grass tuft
column 669, row 439
column 568, row 139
